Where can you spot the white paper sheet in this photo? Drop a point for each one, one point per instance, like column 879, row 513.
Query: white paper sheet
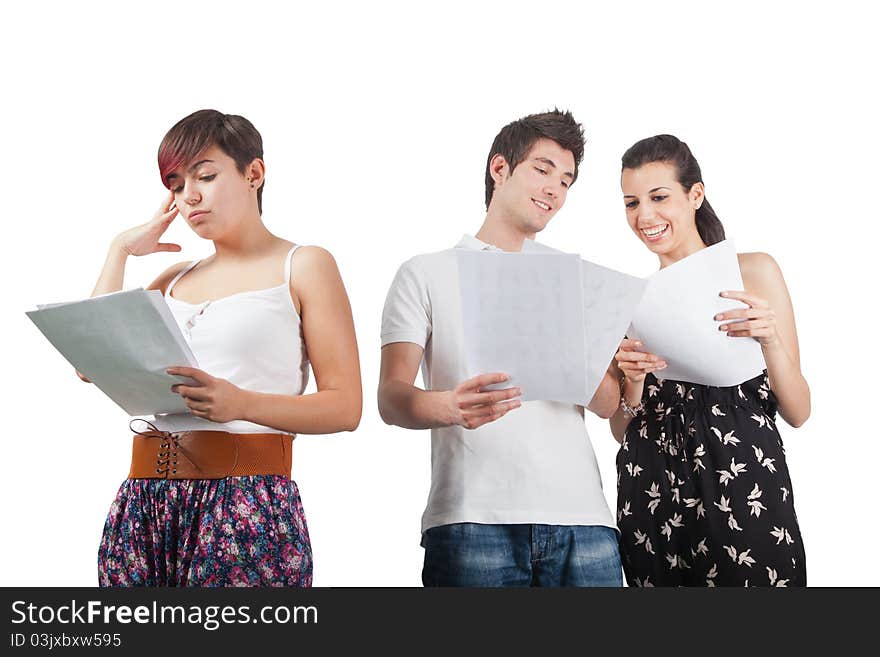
column 675, row 320
column 610, row 302
column 123, row 342
column 523, row 315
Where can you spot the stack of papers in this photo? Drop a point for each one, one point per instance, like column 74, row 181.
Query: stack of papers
column 610, row 299
column 123, row 342
column 553, row 321
column 523, row 315
column 675, row 320
column 548, row 319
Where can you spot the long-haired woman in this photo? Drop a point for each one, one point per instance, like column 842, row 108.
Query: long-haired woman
column 704, row 495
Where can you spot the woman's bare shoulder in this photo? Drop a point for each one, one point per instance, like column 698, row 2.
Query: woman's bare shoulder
column 760, row 270
column 312, row 261
column 162, row 280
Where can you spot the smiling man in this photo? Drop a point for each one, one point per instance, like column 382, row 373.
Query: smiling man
column 515, row 495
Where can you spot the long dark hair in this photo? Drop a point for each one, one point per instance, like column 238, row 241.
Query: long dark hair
column 667, row 148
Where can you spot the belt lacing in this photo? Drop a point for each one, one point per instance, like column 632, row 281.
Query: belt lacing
column 168, row 449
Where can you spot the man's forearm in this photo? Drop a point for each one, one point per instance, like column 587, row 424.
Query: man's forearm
column 407, row 406
column 606, row 398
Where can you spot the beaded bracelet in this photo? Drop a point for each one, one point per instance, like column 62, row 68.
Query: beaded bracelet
column 630, row 411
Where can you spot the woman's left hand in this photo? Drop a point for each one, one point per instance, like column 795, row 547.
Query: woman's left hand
column 213, row 399
column 757, row 321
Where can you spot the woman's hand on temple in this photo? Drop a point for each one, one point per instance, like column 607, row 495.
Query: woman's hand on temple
column 144, row 239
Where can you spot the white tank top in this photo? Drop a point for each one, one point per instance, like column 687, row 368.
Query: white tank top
column 252, row 339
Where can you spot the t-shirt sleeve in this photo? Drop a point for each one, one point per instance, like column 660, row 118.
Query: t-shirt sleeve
column 407, row 313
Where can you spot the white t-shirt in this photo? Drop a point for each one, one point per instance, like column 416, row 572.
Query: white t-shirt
column 534, row 465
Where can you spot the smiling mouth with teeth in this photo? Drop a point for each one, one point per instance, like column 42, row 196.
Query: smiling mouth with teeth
column 654, row 231
column 541, row 204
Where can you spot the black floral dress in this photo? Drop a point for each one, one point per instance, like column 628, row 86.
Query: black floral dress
column 703, row 492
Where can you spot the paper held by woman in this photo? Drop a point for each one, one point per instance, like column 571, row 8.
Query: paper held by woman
column 675, row 320
column 123, row 342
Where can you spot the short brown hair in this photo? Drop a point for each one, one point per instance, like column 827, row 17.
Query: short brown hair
column 233, row 134
column 517, row 138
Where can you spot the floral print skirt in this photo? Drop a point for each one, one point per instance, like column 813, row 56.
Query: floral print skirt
column 703, row 495
column 237, row 531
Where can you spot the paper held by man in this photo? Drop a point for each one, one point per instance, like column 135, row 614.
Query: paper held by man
column 553, row 321
column 122, row 342
column 523, row 315
column 610, row 299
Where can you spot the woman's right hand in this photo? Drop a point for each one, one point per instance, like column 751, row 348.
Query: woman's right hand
column 144, row 239
column 634, row 363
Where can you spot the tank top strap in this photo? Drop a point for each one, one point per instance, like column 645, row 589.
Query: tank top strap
column 179, row 276
column 287, row 265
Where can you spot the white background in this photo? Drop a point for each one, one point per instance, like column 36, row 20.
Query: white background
column 377, row 120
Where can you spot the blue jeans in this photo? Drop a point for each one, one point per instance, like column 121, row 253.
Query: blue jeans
column 471, row 554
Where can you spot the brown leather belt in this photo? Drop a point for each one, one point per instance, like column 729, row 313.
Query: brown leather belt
column 209, row 455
